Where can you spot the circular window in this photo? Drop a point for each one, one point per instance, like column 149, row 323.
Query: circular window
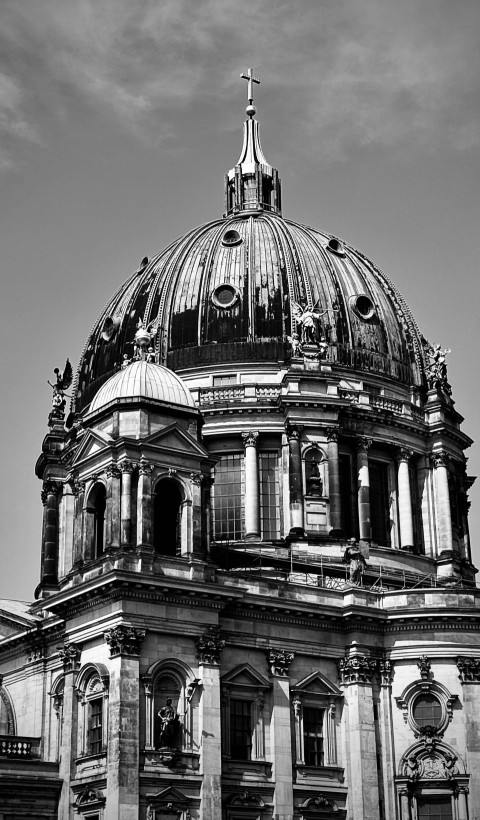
column 231, row 238
column 110, row 328
column 225, row 296
column 335, row 246
column 363, row 306
column 427, row 711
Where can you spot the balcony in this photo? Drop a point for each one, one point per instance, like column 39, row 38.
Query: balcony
column 30, row 786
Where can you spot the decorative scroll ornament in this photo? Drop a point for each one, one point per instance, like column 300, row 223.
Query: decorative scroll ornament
column 112, row 471
column 196, row 478
column 124, row 640
column 70, row 655
column 63, row 382
column 126, row 465
column 440, row 459
column 432, row 761
column 279, row 662
column 320, row 806
column 76, row 485
column 436, row 368
column 210, row 646
column 469, row 669
column 425, row 666
column 90, row 798
column 145, row 468
column 333, row 433
column 357, row 669
column 293, row 432
column 50, row 488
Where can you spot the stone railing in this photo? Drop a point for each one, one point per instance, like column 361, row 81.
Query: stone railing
column 385, row 403
column 212, row 395
column 366, row 399
column 21, row 748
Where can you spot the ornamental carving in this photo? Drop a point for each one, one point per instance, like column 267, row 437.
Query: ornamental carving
column 63, row 381
column 440, row 459
column 50, row 487
column 320, row 806
column 385, row 669
column 279, row 662
column 424, row 665
column 196, row 478
column 404, row 454
column 90, row 798
column 469, row 669
column 357, row 669
column 70, row 656
column 124, row 640
column 333, row 434
column 76, row 485
column 363, row 444
column 436, row 368
column 126, row 465
column 210, row 646
column 112, row 471
column 250, row 439
column 144, row 468
column 430, row 761
column 293, row 433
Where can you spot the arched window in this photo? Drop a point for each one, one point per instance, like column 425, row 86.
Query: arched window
column 7, row 720
column 171, row 703
column 167, row 510
column 92, row 686
column 97, row 500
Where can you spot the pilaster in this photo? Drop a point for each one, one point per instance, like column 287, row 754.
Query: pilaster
column 112, row 511
column 123, row 757
column 70, row 654
column 209, row 651
column 469, row 674
column 279, row 662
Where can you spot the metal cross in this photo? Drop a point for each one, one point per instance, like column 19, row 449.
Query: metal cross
column 251, row 79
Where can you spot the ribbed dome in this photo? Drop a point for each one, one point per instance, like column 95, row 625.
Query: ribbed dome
column 143, row 380
column 223, row 293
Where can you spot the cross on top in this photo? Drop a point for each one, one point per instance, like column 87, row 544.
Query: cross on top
column 251, row 79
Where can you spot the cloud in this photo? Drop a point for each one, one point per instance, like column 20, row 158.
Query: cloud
column 368, row 72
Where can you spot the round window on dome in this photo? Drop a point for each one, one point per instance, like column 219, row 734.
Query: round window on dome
column 231, row 238
column 335, row 246
column 110, row 328
column 427, row 711
column 363, row 306
column 225, row 296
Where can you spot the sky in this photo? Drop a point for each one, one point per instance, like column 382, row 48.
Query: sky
column 118, row 121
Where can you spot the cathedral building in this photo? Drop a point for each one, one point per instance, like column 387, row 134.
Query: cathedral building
column 257, row 599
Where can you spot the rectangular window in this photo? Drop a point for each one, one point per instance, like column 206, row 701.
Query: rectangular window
column 379, row 502
column 434, row 808
column 269, row 496
column 95, row 726
column 228, row 493
column 241, row 729
column 222, row 381
column 313, row 736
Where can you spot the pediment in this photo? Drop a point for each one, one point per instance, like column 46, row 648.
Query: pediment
column 168, row 795
column 93, row 442
column 174, row 438
column 317, row 684
column 245, row 676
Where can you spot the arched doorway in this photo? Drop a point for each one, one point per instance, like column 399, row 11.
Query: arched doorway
column 167, row 509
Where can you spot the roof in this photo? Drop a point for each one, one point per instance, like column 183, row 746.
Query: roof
column 143, row 380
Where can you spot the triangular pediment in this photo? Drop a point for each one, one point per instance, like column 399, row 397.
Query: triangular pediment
column 317, row 684
column 245, row 676
column 174, row 438
column 169, row 795
column 93, row 442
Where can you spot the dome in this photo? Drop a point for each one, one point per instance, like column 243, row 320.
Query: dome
column 143, row 380
column 231, row 292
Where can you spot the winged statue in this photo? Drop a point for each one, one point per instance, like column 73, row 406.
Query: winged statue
column 306, row 318
column 63, row 381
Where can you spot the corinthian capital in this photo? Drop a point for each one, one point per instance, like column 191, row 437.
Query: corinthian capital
column 250, row 439
column 404, row 454
column 440, row 459
column 333, row 433
column 363, row 444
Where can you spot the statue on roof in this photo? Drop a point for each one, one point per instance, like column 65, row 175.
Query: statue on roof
column 63, row 381
column 436, row 368
column 353, row 556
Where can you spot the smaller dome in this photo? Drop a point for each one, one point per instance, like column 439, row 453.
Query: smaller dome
column 143, row 380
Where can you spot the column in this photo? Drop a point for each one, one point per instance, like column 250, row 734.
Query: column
column 50, row 493
column 70, row 655
column 126, row 468
column 297, row 526
column 281, row 739
column 123, row 757
column 252, row 500
column 194, row 544
column 112, row 511
column 209, row 651
column 444, row 516
column 144, row 505
column 334, row 482
column 356, row 675
column 405, row 499
column 363, row 445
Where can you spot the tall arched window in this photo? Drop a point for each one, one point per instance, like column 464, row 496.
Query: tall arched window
column 167, row 509
column 97, row 501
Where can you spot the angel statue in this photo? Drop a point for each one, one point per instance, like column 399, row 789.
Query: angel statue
column 306, row 317
column 63, row 382
column 436, row 368
column 295, row 344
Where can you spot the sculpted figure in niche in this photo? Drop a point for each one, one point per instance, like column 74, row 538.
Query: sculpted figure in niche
column 355, row 560
column 169, row 725
column 314, row 479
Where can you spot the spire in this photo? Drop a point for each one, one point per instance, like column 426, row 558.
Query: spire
column 253, row 185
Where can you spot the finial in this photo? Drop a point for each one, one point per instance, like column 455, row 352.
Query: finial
column 250, row 110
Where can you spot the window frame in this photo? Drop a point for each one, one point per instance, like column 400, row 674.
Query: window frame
column 316, row 692
column 244, row 683
column 92, row 686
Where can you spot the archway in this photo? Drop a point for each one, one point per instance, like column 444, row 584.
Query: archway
column 167, row 508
